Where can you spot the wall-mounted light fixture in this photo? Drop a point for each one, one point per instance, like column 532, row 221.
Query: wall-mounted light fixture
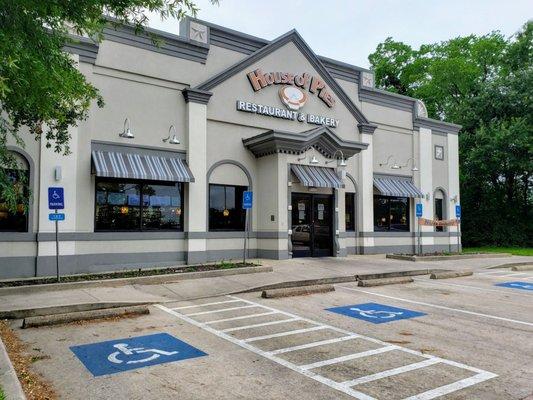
column 393, row 166
column 414, row 168
column 126, row 132
column 454, row 199
column 171, row 132
column 341, row 163
column 313, row 159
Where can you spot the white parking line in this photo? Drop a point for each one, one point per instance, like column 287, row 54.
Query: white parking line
column 348, row 357
column 441, row 307
column 241, row 317
column 392, row 372
column 314, row 344
column 240, row 328
column 427, row 282
column 480, row 376
column 205, row 304
column 280, row 334
column 220, row 310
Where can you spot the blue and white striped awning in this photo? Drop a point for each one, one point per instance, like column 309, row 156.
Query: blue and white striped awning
column 317, row 176
column 113, row 164
column 397, row 186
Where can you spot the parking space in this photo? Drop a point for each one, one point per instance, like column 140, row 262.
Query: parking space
column 455, row 339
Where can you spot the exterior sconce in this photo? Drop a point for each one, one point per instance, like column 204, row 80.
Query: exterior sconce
column 393, row 166
column 342, row 162
column 171, row 132
column 454, row 199
column 126, row 133
column 415, row 168
column 313, row 159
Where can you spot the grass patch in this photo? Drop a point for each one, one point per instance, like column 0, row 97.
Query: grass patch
column 2, row 395
column 132, row 273
column 516, row 251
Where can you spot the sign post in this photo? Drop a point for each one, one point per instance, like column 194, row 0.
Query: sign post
column 247, row 201
column 458, row 216
column 56, row 201
column 419, row 212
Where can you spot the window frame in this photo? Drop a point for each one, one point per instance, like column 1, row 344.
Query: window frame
column 389, row 198
column 351, row 196
column 141, row 184
column 237, row 201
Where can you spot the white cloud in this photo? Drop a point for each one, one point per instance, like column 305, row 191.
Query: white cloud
column 350, row 30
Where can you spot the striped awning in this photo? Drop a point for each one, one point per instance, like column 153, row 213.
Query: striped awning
column 397, row 186
column 317, row 176
column 114, row 164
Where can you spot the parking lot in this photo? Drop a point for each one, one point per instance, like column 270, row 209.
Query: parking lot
column 465, row 338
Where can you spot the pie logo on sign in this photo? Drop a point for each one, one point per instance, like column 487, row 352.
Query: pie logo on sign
column 292, row 97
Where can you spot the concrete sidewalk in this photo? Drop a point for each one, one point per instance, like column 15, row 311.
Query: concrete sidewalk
column 283, row 271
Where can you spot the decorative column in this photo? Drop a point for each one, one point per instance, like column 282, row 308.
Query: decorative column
column 196, row 192
column 425, row 157
column 365, row 210
column 453, row 186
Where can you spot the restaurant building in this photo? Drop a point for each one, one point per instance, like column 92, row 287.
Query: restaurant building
column 156, row 177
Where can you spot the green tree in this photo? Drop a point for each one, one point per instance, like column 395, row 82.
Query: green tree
column 40, row 87
column 484, row 83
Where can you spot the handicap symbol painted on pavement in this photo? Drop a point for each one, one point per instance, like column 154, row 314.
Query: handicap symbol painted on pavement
column 120, row 355
column 517, row 285
column 375, row 313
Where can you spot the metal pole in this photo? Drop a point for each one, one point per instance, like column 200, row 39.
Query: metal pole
column 57, row 250
column 458, row 236
column 245, row 237
column 418, row 228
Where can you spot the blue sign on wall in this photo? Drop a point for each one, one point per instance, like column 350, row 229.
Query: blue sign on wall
column 126, row 354
column 247, row 199
column 458, row 211
column 419, row 210
column 517, row 285
column 375, row 313
column 56, row 217
column 56, row 198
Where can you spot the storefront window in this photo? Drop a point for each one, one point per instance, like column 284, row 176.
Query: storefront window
column 439, row 214
column 391, row 214
column 119, row 206
column 349, row 213
column 225, row 208
column 15, row 221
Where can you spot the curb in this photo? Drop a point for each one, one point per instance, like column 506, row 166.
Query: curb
column 64, row 309
column 142, row 280
column 396, row 274
column 384, row 281
column 508, row 265
column 55, row 319
column 8, row 377
column 526, row 267
column 444, row 258
column 297, row 291
column 450, row 274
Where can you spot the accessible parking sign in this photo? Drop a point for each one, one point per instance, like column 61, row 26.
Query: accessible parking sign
column 121, row 355
column 375, row 313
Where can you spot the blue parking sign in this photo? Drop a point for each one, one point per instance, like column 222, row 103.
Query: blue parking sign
column 458, row 211
column 247, row 199
column 419, row 209
column 56, row 198
column 375, row 313
column 121, row 355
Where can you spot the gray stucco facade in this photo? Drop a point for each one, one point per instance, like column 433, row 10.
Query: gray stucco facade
column 233, row 133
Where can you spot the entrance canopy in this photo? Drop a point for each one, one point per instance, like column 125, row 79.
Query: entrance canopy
column 396, row 186
column 316, row 176
column 114, row 164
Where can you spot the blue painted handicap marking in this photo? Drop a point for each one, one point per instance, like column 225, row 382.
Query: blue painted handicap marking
column 375, row 313
column 517, row 285
column 122, row 355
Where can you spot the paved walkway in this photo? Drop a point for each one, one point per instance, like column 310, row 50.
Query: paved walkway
column 283, row 271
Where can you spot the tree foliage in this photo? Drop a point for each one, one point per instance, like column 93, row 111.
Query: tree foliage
column 40, row 87
column 484, row 83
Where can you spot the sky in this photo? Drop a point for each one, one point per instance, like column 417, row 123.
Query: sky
column 349, row 30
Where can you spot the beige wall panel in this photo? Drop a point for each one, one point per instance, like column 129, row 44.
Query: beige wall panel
column 17, row 249
column 440, row 167
column 129, row 246
column 387, row 115
column 399, row 145
column 230, row 244
column 229, row 174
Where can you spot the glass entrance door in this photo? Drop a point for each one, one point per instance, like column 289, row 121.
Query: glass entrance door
column 312, row 225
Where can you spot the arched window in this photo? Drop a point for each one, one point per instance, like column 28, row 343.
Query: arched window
column 16, row 220
column 439, row 208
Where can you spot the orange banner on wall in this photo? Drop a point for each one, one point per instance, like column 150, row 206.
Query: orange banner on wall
column 436, row 222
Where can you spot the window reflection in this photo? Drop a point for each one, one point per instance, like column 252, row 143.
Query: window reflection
column 225, row 208
column 349, row 214
column 16, row 221
column 391, row 214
